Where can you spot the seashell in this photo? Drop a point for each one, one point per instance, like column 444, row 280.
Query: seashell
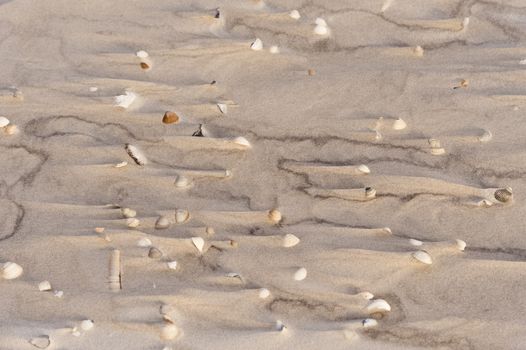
column 486, row 136
column 58, row 293
column 370, row 192
column 234, row 244
column 171, row 118
column 378, row 306
column 377, row 136
column 121, row 164
column 99, row 230
column 228, row 173
column 75, row 332
column 155, row 253
column 4, row 122
column 11, row 270
column 199, row 243
column 300, row 274
column 142, row 54
column 387, row 230
column 144, row 242
column 320, row 22
column 223, row 108
column 172, row 265
column 366, row 295
column 42, row 342
column 280, row 326
column 436, row 151
column 11, row 129
column 465, row 22
column 321, row 30
column 128, row 213
column 234, row 275
column 135, row 154
column 132, row 222
column 423, row 257
column 217, row 13
column 294, row 14
column 274, row 49
column 399, row 124
column 144, row 65
column 461, row 245
column 182, row 181
column 44, row 286
column 386, row 5
column 126, row 100
column 415, row 242
column 87, row 325
column 274, row 215
column 162, row 223
column 504, row 195
column 242, row 141
column 264, row 293
column 181, row 216
column 364, row 169
column 418, row 51
column 210, row 231
column 93, row 89
column 169, row 332
column 257, row 45
column 289, row 240
column 311, row 72
column 369, row 322
column 115, row 274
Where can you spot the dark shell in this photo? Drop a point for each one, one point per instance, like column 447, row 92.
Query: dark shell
column 155, row 253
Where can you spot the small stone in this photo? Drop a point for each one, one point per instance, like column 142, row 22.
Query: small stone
column 170, row 118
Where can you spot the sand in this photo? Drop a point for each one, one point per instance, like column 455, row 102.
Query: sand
column 289, row 221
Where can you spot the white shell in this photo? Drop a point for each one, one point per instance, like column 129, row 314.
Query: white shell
column 486, row 136
column 274, row 215
column 364, row 169
column 295, row 14
column 172, row 265
column 93, row 89
column 264, row 293
column 121, row 164
column 377, row 136
column 44, row 286
column 366, row 295
column 4, row 122
column 321, row 22
column 321, row 30
column 142, row 54
column 181, row 215
column 280, row 326
column 223, row 107
column 274, row 49
column 300, row 274
column 199, row 243
column 399, row 124
column 289, row 240
column 369, row 322
column 75, row 332
column 11, row 270
column 41, row 342
column 162, row 223
column 240, row 140
column 58, row 293
column 465, row 22
column 423, row 257
column 461, row 245
column 135, row 153
column 132, row 222
column 126, row 100
column 415, row 242
column 128, row 213
column 418, row 51
column 86, row 325
column 378, row 305
column 387, row 230
column 257, row 45
column 144, row 242
column 169, row 332
column 437, row 151
column 182, row 181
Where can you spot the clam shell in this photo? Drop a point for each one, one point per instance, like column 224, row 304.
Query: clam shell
column 300, row 274
column 274, row 49
column 378, row 306
column 415, row 242
column 142, row 54
column 87, row 325
column 4, row 122
column 461, row 245
column 295, row 14
column 172, row 265
column 42, row 342
column 138, row 157
column 364, row 169
column 504, row 195
column 144, row 242
column 155, row 253
column 126, row 100
column 369, row 322
column 128, row 213
column 182, row 181
column 423, row 257
column 132, row 222
column 44, row 286
column 289, row 240
column 257, row 45
column 181, row 216
column 11, row 270
column 199, row 243
column 321, row 30
column 169, row 332
column 264, row 293
column 399, row 124
column 144, row 65
column 274, row 215
column 162, row 223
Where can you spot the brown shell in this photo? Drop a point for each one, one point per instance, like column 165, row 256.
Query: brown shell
column 170, row 118
column 503, row 195
column 145, row 65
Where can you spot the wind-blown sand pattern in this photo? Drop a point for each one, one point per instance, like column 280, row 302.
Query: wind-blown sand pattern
column 330, row 175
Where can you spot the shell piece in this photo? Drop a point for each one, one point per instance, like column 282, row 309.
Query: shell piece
column 369, row 322
column 289, row 240
column 242, row 141
column 182, row 181
column 387, row 230
column 274, row 215
column 135, row 153
column 162, row 223
column 171, row 118
column 58, row 293
column 378, row 305
column 274, row 49
column 522, row 61
column 11, row 129
column 465, row 22
column 199, row 243
column 44, row 286
column 386, row 5
column 99, row 230
column 264, row 293
column 11, row 270
column 128, row 213
column 42, row 342
column 280, row 327
column 364, row 169
column 486, row 136
column 434, row 143
column 142, row 54
column 370, row 192
column 294, row 14
column 4, row 122
column 144, row 242
column 181, row 216
column 121, row 164
column 169, row 332
column 126, row 100
column 155, row 253
column 504, row 195
column 415, row 242
column 93, row 89
column 320, row 22
column 132, row 222
column 223, row 107
column 321, row 30
column 366, row 295
column 423, row 257
column 257, row 45
column 300, row 274
column 144, row 65
column 418, row 51
column 461, row 245
column 399, row 124
column 87, row 325
column 172, row 265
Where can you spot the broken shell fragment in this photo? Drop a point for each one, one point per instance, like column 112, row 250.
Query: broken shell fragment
column 461, row 245
column 11, row 129
column 378, row 306
column 504, row 195
column 132, row 222
column 121, row 164
column 58, row 293
column 321, row 27
column 4, row 122
column 223, row 108
column 415, row 242
column 144, row 65
column 11, row 270
column 242, row 141
column 44, row 286
column 162, row 223
column 182, row 181
column 300, row 274
column 264, row 293
column 136, row 154
column 172, row 265
column 169, row 332
column 486, row 136
column 128, row 213
column 141, row 54
column 257, row 45
column 181, row 216
column 399, row 124
column 42, row 342
column 295, row 14
column 274, row 215
column 370, row 193
column 144, row 242
column 274, row 49
column 155, row 253
column 126, row 100
column 423, row 257
column 170, row 118
column 280, row 327
column 364, row 169
column 418, row 51
column 199, row 243
column 366, row 295
column 369, row 322
column 289, row 240
column 87, row 325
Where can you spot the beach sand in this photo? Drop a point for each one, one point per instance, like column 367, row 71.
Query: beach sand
column 327, row 146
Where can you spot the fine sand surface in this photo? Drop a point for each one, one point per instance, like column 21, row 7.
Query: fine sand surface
column 305, row 212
